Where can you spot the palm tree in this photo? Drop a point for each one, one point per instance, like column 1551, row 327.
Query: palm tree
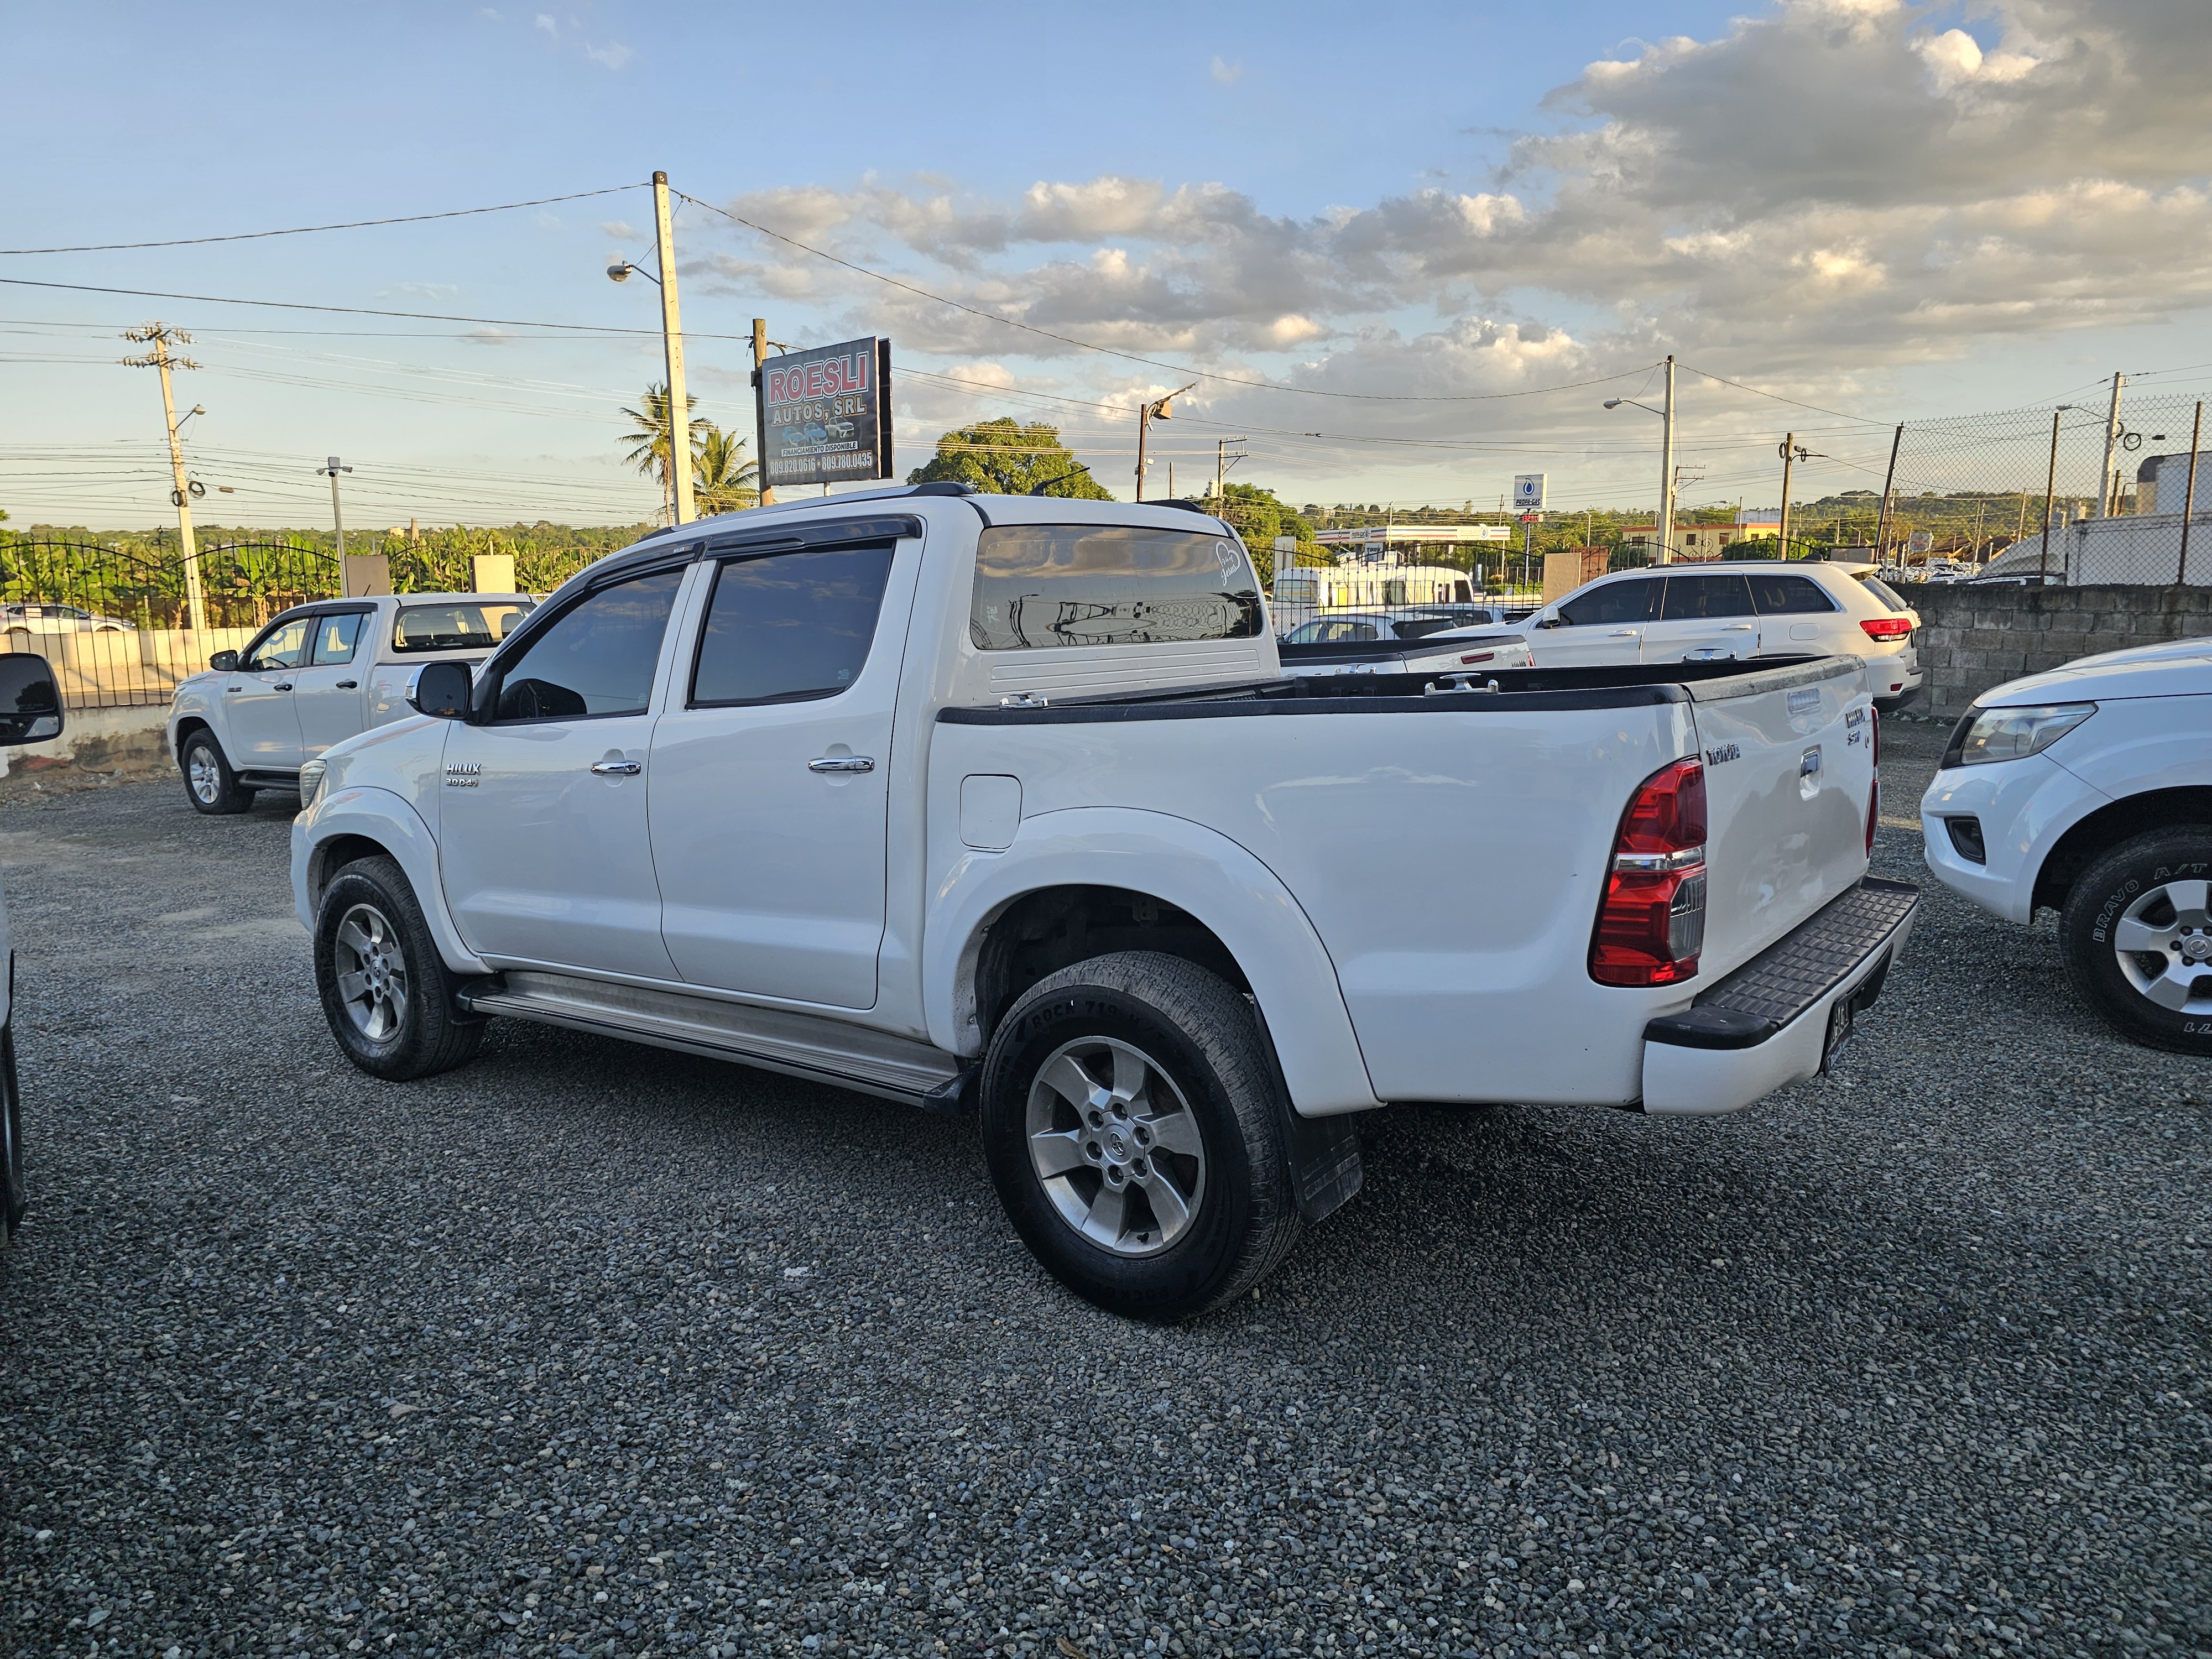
column 649, row 438
column 722, row 478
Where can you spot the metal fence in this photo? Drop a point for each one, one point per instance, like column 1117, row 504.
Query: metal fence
column 2071, row 496
column 115, row 621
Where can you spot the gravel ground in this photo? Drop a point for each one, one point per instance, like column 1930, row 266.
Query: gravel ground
column 593, row 1349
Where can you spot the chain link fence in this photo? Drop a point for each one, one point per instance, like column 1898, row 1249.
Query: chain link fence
column 2055, row 497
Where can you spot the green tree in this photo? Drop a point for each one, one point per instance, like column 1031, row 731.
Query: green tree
column 1005, row 457
column 648, row 436
column 723, row 478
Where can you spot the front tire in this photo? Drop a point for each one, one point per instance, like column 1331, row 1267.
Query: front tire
column 386, row 993
column 210, row 784
column 1131, row 1128
column 2136, row 933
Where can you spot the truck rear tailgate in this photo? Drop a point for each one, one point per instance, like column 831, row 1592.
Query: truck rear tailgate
column 1790, row 775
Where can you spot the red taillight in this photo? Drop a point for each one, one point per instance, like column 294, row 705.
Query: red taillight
column 1652, row 924
column 1874, row 792
column 1887, row 627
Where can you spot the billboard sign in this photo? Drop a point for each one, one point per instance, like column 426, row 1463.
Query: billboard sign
column 1528, row 491
column 825, row 414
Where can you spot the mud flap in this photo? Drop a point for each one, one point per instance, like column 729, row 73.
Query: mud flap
column 1322, row 1154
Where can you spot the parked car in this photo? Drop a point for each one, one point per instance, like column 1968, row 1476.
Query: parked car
column 1735, row 610
column 30, row 712
column 19, row 621
column 2087, row 790
column 1365, row 627
column 315, row 675
column 996, row 800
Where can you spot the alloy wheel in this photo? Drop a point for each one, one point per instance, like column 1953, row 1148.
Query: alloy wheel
column 1116, row 1146
column 204, row 777
column 372, row 973
column 2164, row 944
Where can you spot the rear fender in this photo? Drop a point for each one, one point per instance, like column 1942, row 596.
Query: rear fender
column 380, row 816
column 1194, row 868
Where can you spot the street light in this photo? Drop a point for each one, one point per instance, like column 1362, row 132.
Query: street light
column 1157, row 409
column 671, row 339
column 1666, row 525
column 622, row 271
column 332, row 468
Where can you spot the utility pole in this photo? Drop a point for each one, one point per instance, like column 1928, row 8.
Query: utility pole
column 1667, row 470
column 331, row 469
column 1789, row 459
column 2105, row 485
column 160, row 335
column 671, row 332
column 1889, row 484
column 760, row 358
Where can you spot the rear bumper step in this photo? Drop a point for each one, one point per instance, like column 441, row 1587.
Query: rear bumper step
column 1771, row 1021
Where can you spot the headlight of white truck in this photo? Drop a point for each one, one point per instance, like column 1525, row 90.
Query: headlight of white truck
column 311, row 783
column 2003, row 734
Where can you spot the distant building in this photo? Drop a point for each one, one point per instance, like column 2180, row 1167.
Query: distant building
column 1699, row 541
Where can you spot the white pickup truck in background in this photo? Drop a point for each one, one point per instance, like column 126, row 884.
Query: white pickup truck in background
column 316, row 675
column 990, row 801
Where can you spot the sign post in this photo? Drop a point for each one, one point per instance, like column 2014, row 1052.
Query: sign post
column 824, row 414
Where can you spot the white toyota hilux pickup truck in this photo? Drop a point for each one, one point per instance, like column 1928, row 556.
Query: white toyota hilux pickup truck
column 313, row 676
column 983, row 800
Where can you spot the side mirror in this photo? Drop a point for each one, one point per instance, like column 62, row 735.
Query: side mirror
column 30, row 700
column 222, row 662
column 440, row 688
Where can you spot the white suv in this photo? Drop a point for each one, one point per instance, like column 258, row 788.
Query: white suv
column 1735, row 609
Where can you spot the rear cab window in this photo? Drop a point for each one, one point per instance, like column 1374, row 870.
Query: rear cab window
column 1044, row 587
column 456, row 625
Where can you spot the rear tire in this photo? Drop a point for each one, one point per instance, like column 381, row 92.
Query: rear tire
column 386, row 993
column 210, row 784
column 1132, row 1125
column 2138, row 939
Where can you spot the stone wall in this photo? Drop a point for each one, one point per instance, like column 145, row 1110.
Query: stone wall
column 1974, row 638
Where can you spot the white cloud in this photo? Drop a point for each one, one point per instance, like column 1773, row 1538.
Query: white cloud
column 613, row 55
column 543, row 20
column 1226, row 74
column 620, row 230
column 1836, row 185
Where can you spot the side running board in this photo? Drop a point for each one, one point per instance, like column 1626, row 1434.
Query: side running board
column 775, row 1039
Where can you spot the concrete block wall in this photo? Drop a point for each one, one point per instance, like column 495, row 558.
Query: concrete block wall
column 1972, row 639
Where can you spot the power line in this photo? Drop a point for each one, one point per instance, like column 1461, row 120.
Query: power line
column 1759, row 393
column 305, row 230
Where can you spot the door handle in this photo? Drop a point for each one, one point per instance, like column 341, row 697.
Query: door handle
column 1740, row 628
column 1625, row 634
column 281, row 686
column 616, row 769
column 348, row 686
column 842, row 763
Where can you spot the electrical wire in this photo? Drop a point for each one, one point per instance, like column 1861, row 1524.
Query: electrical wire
column 305, row 230
column 1759, row 393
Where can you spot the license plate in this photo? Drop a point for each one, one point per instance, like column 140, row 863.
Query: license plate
column 1843, row 1016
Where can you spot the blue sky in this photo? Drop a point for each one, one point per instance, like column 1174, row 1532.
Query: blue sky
column 1827, row 198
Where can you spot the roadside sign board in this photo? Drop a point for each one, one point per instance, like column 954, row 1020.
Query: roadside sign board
column 824, row 414
column 1528, row 491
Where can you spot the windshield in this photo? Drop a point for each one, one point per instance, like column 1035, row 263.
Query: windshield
column 464, row 626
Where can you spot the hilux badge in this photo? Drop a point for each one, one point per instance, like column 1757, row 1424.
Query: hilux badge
column 463, row 774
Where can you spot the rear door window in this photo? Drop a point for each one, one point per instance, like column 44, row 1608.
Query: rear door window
column 1636, row 600
column 336, row 636
column 1778, row 595
column 787, row 626
column 1702, row 597
column 597, row 659
column 1043, row 585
